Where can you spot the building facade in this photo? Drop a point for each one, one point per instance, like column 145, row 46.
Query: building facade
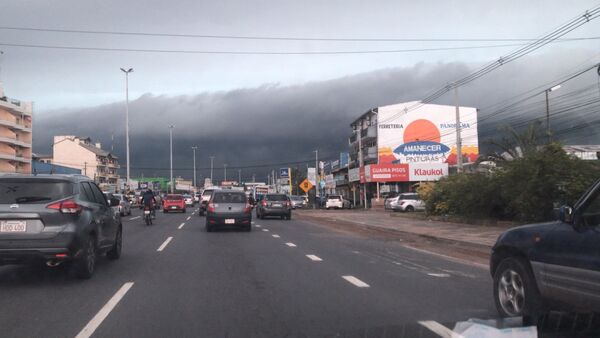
column 80, row 153
column 15, row 135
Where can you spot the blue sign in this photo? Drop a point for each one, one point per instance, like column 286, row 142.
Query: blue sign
column 322, row 184
column 344, row 159
column 422, row 148
column 284, row 173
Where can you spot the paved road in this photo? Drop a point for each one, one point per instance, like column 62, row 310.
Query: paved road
column 283, row 279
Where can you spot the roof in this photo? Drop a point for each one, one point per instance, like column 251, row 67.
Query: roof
column 68, row 177
column 583, row 148
column 96, row 150
column 35, row 155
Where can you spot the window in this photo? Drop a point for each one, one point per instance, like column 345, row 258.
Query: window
column 591, row 213
column 98, row 195
column 229, row 198
column 276, row 198
column 86, row 192
column 22, row 191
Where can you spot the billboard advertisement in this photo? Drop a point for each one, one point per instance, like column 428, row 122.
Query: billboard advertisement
column 312, row 175
column 425, row 134
column 344, row 159
column 427, row 171
column 386, row 173
column 354, row 175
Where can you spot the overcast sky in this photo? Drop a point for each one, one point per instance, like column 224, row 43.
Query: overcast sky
column 265, row 95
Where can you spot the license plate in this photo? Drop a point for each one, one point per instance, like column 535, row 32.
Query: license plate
column 173, row 207
column 278, row 205
column 146, row 212
column 230, row 221
column 13, row 226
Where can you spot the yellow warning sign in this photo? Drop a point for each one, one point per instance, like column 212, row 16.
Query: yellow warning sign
column 306, row 185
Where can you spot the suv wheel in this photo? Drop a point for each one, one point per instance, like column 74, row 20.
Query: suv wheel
column 515, row 290
column 409, row 208
column 115, row 251
column 85, row 264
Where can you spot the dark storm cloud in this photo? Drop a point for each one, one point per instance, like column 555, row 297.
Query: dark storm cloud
column 273, row 123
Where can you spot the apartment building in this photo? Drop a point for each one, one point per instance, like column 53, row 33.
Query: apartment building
column 15, row 135
column 81, row 153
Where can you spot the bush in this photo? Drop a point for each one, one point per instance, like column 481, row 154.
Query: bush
column 525, row 189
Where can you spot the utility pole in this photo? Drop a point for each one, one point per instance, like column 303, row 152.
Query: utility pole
column 171, row 157
column 211, row 169
column 239, row 176
column 130, row 70
column 195, row 182
column 253, row 178
column 225, row 172
column 547, row 91
column 316, row 176
column 361, row 162
column 459, row 158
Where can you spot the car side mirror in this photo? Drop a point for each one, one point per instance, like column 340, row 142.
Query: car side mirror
column 565, row 214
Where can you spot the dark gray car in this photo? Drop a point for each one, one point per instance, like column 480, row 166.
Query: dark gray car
column 228, row 208
column 57, row 219
column 274, row 205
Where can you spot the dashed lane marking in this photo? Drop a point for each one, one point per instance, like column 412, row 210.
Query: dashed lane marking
column 314, row 258
column 441, row 275
column 275, row 236
column 265, row 230
column 257, row 225
column 93, row 324
column 134, row 218
column 355, row 281
column 189, row 217
column 181, row 226
column 290, row 244
column 164, row 245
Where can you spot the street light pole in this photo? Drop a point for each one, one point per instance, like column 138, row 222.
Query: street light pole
column 211, row 169
column 171, row 156
column 459, row 158
column 239, row 176
column 316, row 176
column 224, row 171
column 547, row 91
column 130, row 70
column 194, row 149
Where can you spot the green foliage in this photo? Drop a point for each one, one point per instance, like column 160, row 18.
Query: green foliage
column 526, row 188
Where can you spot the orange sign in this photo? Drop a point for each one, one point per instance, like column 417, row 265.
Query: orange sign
column 306, row 185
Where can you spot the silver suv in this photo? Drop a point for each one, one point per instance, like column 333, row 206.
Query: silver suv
column 57, row 219
column 405, row 202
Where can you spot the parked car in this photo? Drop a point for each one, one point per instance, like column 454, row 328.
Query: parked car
column 228, row 208
column 173, row 202
column 189, row 200
column 405, row 202
column 124, row 205
column 274, row 205
column 334, row 201
column 57, row 219
column 206, row 195
column 550, row 266
column 347, row 203
column 297, row 202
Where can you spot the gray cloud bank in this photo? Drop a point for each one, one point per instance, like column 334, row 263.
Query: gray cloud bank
column 272, row 123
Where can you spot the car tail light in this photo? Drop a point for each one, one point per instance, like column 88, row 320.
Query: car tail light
column 66, row 207
column 211, row 207
column 248, row 208
column 289, row 204
column 264, row 203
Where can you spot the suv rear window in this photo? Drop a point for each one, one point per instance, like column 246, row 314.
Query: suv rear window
column 276, row 198
column 33, row 191
column 229, row 197
column 337, row 198
column 408, row 197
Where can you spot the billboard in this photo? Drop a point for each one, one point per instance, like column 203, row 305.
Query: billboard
column 425, row 134
column 344, row 159
column 312, row 175
column 427, row 171
column 386, row 173
column 353, row 175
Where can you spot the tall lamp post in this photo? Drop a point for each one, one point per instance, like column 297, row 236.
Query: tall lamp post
column 194, row 149
column 547, row 91
column 171, row 157
column 211, row 168
column 224, row 171
column 130, row 70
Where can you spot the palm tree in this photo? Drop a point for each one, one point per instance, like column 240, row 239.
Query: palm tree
column 517, row 144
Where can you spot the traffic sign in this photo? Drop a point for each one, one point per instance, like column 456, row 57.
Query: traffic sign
column 306, row 185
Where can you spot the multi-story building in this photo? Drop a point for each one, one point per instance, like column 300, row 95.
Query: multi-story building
column 15, row 135
column 80, row 153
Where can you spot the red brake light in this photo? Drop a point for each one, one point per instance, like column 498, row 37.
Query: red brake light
column 248, row 208
column 264, row 203
column 66, row 207
column 211, row 207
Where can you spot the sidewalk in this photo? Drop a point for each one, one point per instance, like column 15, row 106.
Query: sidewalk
column 478, row 235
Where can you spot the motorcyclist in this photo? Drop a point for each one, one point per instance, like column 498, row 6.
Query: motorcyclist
column 149, row 201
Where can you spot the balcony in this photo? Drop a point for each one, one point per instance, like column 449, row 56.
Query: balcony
column 369, row 133
column 352, row 138
column 113, row 165
column 16, row 107
column 15, row 158
column 15, row 142
column 14, row 125
column 370, row 153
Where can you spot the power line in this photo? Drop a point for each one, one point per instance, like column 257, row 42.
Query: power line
column 276, row 38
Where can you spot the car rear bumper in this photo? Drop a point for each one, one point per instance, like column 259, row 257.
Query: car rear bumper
column 238, row 219
column 23, row 256
column 275, row 211
column 173, row 207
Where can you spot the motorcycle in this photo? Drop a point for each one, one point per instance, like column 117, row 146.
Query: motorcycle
column 147, row 215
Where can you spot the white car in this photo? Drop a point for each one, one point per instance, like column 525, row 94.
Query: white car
column 405, row 202
column 334, row 201
column 189, row 200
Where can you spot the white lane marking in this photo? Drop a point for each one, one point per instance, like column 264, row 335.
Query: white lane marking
column 265, row 230
column 257, row 225
column 314, row 258
column 181, row 226
column 252, row 222
column 439, row 329
column 189, row 217
column 441, row 275
column 276, row 236
column 357, row 282
column 133, row 218
column 93, row 324
column 356, row 252
column 165, row 243
column 290, row 244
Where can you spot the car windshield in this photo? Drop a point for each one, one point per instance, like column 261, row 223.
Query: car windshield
column 33, row 191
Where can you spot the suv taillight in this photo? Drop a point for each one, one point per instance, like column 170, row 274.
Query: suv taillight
column 66, row 207
column 264, row 203
column 289, row 204
column 248, row 208
column 211, row 207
